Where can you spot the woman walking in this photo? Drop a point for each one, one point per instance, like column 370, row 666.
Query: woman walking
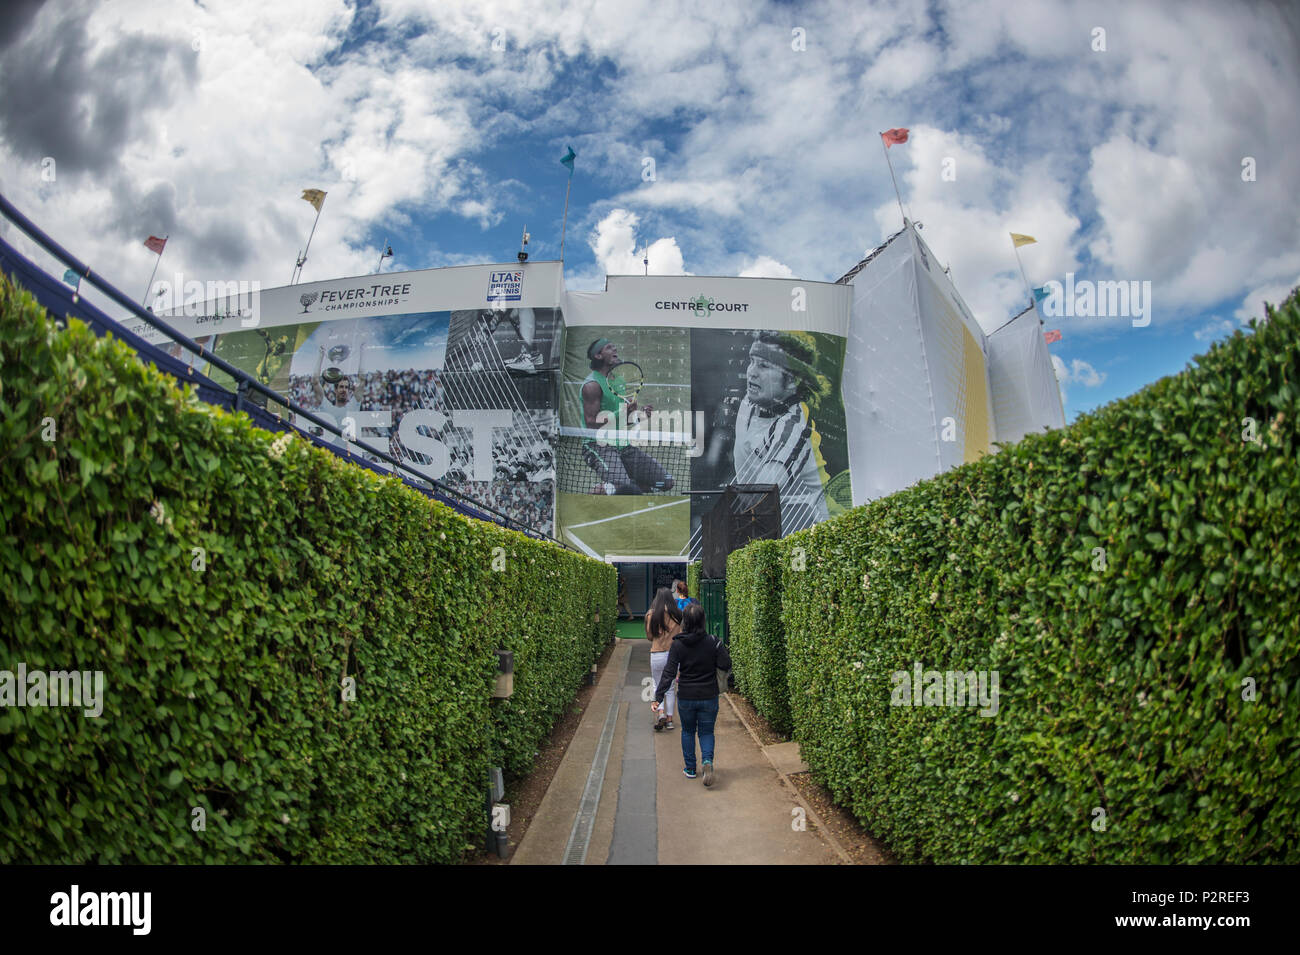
column 698, row 656
column 663, row 621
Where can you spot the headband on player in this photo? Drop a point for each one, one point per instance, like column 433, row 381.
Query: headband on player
column 596, row 346
column 770, row 351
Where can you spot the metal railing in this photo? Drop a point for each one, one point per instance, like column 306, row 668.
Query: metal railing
column 246, row 383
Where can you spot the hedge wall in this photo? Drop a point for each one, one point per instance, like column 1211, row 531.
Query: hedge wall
column 693, row 579
column 754, row 621
column 228, row 583
column 1134, row 580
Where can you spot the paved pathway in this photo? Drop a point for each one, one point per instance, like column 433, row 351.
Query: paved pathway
column 619, row 796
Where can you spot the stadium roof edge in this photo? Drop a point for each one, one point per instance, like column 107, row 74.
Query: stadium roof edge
column 746, row 278
column 843, row 279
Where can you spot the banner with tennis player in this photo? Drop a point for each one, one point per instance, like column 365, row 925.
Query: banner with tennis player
column 454, row 370
column 703, row 382
column 775, row 418
column 623, row 456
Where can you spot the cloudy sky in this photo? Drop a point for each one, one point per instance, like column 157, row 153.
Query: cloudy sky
column 1140, row 141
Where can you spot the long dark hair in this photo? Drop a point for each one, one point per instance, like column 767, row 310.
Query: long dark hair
column 692, row 618
column 663, row 612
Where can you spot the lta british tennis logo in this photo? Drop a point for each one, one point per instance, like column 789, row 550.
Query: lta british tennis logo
column 506, row 286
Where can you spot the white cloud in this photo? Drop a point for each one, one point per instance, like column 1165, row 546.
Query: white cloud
column 1215, row 329
column 1101, row 156
column 902, row 66
column 768, row 268
column 719, row 197
column 1078, row 372
column 1252, row 306
column 1144, row 199
column 618, row 251
column 1084, row 374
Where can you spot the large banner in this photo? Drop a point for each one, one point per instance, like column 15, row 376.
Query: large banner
column 613, row 420
column 675, row 387
column 451, row 370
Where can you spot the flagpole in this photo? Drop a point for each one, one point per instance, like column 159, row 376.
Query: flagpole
column 564, row 226
column 145, row 300
column 303, row 259
column 1016, row 249
column 897, row 194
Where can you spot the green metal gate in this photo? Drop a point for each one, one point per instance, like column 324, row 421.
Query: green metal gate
column 713, row 597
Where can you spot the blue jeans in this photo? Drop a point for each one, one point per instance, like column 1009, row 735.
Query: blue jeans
column 701, row 715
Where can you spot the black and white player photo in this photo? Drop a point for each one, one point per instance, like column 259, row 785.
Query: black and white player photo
column 763, row 393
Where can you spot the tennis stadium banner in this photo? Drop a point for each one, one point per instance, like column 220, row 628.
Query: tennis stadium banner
column 452, row 370
column 614, row 420
column 674, row 387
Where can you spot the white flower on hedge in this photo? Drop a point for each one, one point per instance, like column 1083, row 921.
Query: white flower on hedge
column 1142, row 698
column 934, row 596
column 1014, row 797
column 857, row 664
column 285, row 819
column 157, row 512
column 279, row 445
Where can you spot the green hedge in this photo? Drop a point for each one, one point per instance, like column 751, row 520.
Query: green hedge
column 223, row 685
column 557, row 614
column 693, row 579
column 754, row 622
column 1126, row 673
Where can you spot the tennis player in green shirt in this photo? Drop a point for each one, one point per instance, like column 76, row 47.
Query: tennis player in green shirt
column 622, row 467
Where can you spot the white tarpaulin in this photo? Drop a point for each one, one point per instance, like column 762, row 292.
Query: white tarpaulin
column 916, row 392
column 1026, row 397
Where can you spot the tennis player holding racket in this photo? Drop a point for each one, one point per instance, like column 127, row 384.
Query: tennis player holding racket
column 608, row 401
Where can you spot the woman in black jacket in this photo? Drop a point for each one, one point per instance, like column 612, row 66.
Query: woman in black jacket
column 699, row 656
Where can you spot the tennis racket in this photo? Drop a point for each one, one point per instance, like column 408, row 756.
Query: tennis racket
column 626, row 379
column 840, row 490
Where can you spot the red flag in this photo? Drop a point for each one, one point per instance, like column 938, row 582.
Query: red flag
column 1053, row 336
column 894, row 137
column 155, row 244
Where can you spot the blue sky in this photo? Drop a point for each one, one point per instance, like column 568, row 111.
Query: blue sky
column 440, row 126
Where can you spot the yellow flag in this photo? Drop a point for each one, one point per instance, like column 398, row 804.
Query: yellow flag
column 1018, row 240
column 315, row 197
